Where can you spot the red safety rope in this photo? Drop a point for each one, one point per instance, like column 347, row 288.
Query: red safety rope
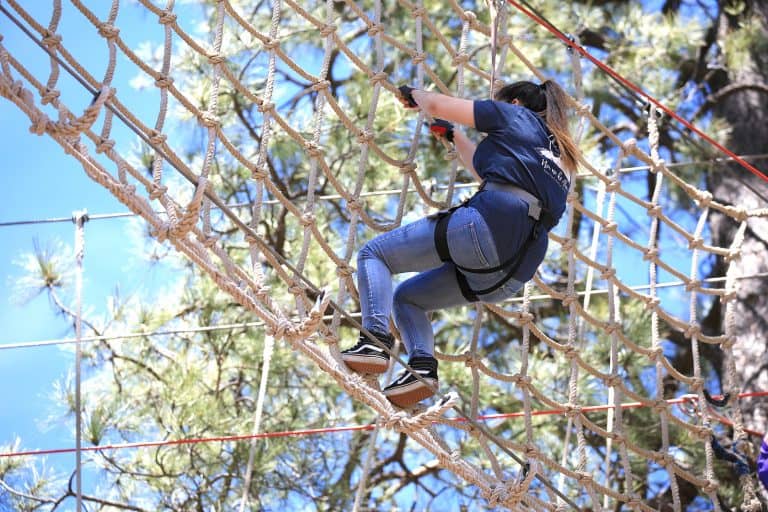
column 624, row 81
column 355, row 428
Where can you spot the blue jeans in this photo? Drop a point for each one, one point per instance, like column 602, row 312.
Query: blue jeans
column 411, row 248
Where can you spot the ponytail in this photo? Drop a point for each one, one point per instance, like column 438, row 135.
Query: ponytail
column 550, row 101
column 555, row 116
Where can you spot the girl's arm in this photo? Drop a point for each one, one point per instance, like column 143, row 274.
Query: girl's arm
column 466, row 150
column 456, row 110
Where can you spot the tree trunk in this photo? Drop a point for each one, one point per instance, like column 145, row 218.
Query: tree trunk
column 746, row 112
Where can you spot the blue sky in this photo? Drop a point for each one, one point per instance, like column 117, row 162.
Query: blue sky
column 41, row 182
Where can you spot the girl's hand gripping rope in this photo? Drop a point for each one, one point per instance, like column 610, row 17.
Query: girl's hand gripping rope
column 442, row 128
column 406, row 97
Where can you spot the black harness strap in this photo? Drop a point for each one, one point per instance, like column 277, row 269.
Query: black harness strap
column 545, row 220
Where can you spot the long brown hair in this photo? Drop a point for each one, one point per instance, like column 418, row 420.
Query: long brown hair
column 550, row 101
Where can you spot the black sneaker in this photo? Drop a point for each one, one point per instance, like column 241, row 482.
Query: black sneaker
column 367, row 356
column 407, row 390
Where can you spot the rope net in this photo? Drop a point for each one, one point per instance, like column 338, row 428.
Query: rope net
column 271, row 96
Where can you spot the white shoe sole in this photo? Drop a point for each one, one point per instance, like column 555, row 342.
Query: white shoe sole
column 410, row 394
column 365, row 364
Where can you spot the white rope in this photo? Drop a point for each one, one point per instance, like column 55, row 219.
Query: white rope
column 79, row 218
column 269, row 343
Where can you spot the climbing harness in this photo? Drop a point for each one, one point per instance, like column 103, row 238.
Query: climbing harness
column 536, row 211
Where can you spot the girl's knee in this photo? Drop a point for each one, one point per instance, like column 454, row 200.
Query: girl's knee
column 368, row 251
column 403, row 294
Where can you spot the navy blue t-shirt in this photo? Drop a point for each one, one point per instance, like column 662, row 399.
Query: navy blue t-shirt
column 518, row 149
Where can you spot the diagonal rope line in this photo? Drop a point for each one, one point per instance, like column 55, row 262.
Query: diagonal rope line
column 685, row 399
column 532, row 14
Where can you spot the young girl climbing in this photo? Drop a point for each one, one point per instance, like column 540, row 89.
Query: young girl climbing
column 483, row 250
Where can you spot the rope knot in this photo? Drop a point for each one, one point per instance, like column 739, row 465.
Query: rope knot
column 697, row 384
column 49, row 95
column 364, row 137
column 692, row 285
column 419, row 57
column 655, row 211
column 354, row 205
column 629, row 146
column 375, row 30
column 741, row 214
column 51, row 40
column 321, row 85
column 104, row 145
column 378, row 78
column 271, row 44
column 572, row 410
column 209, row 241
column 313, row 150
column 570, row 352
column 157, row 138
column 209, row 120
column 702, row 432
column 651, row 303
column 611, row 327
column 610, row 228
column 613, row 185
column 531, row 452
column 583, row 109
column 613, row 381
column 281, row 329
column 250, row 239
column 710, row 487
column 307, row 219
column 572, row 197
column 525, row 318
column 608, row 273
column 294, row 287
column 658, row 164
column 660, row 406
column 162, row 232
column 470, row 17
column 418, row 12
column 568, row 245
column 344, row 270
column 260, row 173
column 570, row 299
column 585, row 479
column 215, row 58
column 266, row 106
column 522, row 381
column 108, row 31
column 163, row 81
column 704, row 199
column 407, row 168
column 692, row 330
column 506, row 494
column 327, row 29
column 167, row 17
column 651, row 253
column 696, row 243
column 733, row 255
column 156, row 191
column 460, row 59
